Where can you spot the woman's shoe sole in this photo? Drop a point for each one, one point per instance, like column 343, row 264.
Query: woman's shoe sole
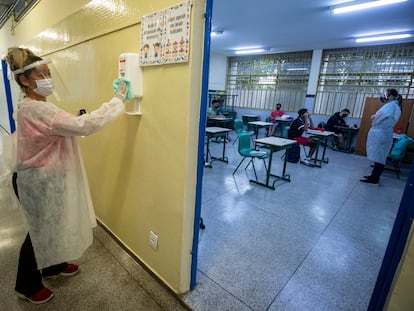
column 21, row 296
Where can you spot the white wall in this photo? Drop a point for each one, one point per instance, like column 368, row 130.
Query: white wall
column 218, row 72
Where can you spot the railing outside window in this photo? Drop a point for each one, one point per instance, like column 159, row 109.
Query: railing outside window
column 260, row 82
column 348, row 76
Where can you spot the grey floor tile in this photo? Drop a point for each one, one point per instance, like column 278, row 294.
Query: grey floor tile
column 367, row 225
column 101, row 284
column 335, row 276
column 248, row 252
column 315, row 243
column 208, row 296
column 109, row 278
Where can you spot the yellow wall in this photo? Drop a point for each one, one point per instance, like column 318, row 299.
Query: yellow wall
column 401, row 296
column 141, row 169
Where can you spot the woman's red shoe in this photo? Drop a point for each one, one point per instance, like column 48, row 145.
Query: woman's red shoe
column 42, row 296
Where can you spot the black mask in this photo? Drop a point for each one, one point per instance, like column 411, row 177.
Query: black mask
column 383, row 99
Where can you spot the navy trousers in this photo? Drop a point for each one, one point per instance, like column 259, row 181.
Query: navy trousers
column 29, row 278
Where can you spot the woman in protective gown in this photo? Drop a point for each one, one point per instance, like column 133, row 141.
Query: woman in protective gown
column 50, row 183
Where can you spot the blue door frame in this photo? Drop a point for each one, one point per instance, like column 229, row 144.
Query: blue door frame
column 201, row 131
column 396, row 246
column 8, row 95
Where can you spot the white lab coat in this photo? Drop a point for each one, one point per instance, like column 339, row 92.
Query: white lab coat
column 53, row 191
column 379, row 140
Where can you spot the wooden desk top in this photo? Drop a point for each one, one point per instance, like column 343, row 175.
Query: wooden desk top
column 284, row 120
column 260, row 123
column 346, row 128
column 319, row 133
column 219, row 118
column 216, row 130
column 275, row 141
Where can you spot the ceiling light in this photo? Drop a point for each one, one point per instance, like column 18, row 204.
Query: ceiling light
column 383, row 38
column 250, row 51
column 363, row 6
column 297, row 69
column 393, row 63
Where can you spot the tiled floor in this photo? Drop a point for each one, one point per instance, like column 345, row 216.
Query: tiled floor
column 315, row 243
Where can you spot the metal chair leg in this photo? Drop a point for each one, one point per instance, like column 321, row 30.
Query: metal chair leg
column 254, row 169
column 264, row 162
column 396, row 167
column 238, row 165
column 251, row 160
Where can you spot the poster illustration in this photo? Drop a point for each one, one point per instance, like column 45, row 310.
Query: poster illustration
column 165, row 36
column 151, row 37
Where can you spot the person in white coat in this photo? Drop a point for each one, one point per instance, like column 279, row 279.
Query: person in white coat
column 380, row 135
column 50, row 182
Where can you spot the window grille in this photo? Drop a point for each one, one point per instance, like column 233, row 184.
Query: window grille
column 348, row 76
column 264, row 80
column 22, row 7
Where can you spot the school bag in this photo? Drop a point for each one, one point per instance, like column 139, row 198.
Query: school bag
column 293, row 155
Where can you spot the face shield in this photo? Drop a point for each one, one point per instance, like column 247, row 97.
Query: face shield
column 385, row 97
column 46, row 79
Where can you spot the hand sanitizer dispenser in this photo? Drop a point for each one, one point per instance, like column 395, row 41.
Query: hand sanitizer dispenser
column 128, row 68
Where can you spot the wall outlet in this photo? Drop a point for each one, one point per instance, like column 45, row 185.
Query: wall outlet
column 153, row 240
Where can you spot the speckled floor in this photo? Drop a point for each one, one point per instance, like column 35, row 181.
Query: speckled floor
column 315, row 243
column 109, row 278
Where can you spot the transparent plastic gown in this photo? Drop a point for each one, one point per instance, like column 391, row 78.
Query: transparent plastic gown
column 52, row 184
column 379, row 141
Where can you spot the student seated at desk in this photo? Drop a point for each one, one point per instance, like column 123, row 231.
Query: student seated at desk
column 338, row 119
column 301, row 124
column 274, row 115
column 214, row 110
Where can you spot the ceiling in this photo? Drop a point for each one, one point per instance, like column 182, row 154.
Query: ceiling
column 300, row 25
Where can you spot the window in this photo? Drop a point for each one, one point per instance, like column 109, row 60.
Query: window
column 22, row 7
column 264, row 80
column 348, row 76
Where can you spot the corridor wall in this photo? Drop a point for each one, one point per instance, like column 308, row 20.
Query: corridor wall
column 141, row 169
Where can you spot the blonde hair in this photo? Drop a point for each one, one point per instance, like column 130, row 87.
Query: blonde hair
column 18, row 58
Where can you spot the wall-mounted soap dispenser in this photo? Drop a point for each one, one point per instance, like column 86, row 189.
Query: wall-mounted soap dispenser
column 129, row 68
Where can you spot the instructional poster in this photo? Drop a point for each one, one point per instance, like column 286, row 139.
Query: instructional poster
column 165, row 36
column 151, row 39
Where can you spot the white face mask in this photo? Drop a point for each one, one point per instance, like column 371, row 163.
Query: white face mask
column 44, row 87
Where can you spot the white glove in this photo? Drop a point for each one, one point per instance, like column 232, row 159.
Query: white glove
column 122, row 90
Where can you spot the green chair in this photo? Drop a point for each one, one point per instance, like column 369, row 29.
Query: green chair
column 246, row 151
column 239, row 129
column 398, row 152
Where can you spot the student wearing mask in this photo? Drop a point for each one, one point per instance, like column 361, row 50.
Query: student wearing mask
column 338, row 119
column 300, row 125
column 274, row 116
column 50, row 184
column 214, row 110
column 380, row 136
